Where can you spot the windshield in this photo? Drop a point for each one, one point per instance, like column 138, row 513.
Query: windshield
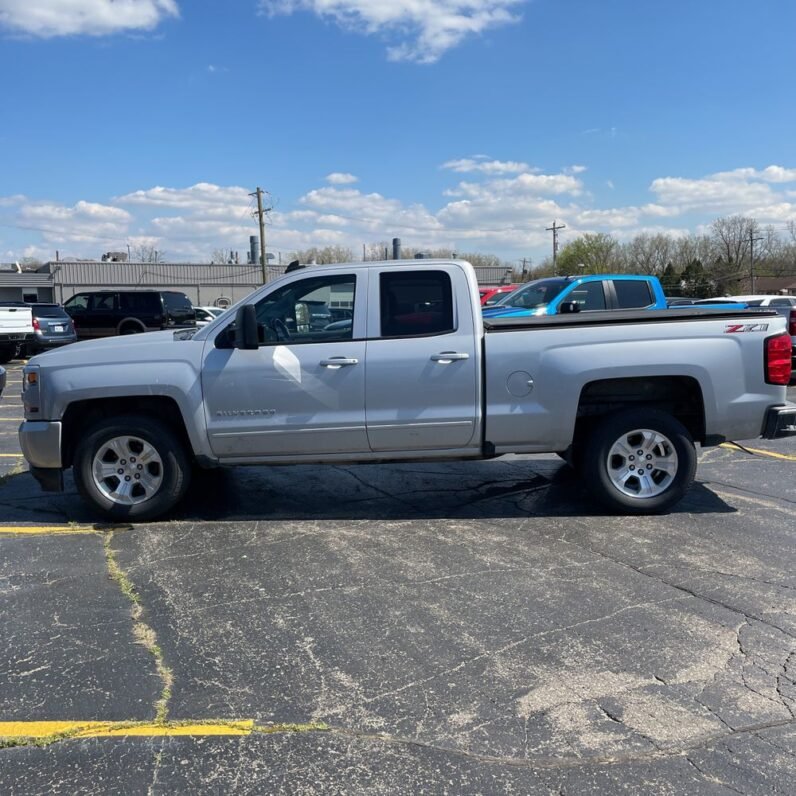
column 535, row 294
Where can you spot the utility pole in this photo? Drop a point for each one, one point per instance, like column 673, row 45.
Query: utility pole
column 261, row 214
column 554, row 229
column 752, row 240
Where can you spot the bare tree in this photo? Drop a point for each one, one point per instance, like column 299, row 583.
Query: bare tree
column 648, row 254
column 147, row 254
column 328, row 254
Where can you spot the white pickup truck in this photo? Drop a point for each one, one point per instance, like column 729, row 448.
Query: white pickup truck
column 16, row 329
column 392, row 361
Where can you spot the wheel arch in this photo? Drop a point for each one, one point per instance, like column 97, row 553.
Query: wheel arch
column 81, row 414
column 130, row 322
column 679, row 396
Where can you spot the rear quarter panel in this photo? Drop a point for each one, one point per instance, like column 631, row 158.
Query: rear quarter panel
column 562, row 360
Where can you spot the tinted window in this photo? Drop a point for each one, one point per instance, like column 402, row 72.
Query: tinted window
column 176, row 302
column 78, row 302
column 632, row 293
column 103, row 302
column 416, row 303
column 301, row 311
column 140, row 303
column 49, row 311
column 588, row 296
column 758, row 303
column 783, row 302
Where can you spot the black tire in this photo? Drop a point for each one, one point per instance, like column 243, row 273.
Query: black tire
column 7, row 354
column 131, row 328
column 172, row 474
column 671, row 459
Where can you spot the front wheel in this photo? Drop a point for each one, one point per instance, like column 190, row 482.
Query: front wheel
column 131, row 467
column 639, row 462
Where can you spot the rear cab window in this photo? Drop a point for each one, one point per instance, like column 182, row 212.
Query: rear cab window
column 415, row 303
column 632, row 294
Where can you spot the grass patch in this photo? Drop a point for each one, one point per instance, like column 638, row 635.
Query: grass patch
column 144, row 634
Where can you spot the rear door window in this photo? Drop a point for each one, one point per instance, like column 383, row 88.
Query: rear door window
column 103, row 302
column 588, row 296
column 632, row 293
column 140, row 303
column 415, row 303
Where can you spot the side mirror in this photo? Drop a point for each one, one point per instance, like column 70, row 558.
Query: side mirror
column 566, row 307
column 246, row 333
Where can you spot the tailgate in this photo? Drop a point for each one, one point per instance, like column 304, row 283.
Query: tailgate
column 15, row 320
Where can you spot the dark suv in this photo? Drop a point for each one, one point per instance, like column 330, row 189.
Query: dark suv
column 105, row 313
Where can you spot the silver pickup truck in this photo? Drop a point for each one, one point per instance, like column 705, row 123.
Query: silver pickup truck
column 391, row 361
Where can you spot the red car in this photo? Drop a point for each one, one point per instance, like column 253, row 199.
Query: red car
column 491, row 293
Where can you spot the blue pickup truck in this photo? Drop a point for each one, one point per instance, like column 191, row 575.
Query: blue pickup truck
column 561, row 294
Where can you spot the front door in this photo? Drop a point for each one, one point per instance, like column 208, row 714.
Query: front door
column 302, row 392
column 422, row 381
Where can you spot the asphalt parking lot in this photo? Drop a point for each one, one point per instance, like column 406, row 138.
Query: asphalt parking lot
column 434, row 628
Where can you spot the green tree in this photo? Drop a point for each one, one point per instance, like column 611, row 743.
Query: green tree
column 597, row 253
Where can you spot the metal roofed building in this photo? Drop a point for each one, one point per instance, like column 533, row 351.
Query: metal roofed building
column 24, row 285
column 204, row 284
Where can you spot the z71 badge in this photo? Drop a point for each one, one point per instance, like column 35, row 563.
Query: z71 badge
column 736, row 328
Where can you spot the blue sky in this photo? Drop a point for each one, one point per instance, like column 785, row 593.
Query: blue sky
column 471, row 124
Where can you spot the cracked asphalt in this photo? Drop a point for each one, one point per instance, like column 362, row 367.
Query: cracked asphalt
column 418, row 628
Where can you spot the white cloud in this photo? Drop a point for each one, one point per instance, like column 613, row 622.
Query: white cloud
column 84, row 221
column 489, row 212
column 48, row 18
column 425, row 28
column 486, row 166
column 341, row 178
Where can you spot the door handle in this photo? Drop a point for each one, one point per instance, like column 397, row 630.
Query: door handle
column 338, row 362
column 446, row 357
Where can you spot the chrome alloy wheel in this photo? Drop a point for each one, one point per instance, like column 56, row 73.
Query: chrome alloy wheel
column 642, row 463
column 127, row 470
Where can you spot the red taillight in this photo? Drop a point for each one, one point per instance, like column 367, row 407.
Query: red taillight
column 36, row 325
column 792, row 324
column 778, row 359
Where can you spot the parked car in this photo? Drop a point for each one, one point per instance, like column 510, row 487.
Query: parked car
column 52, row 327
column 205, row 315
column 16, row 329
column 105, row 313
column 491, row 294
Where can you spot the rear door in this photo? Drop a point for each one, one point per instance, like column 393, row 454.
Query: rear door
column 423, row 362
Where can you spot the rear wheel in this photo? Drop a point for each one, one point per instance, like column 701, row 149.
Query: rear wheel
column 131, row 467
column 639, row 462
column 7, row 353
column 131, row 328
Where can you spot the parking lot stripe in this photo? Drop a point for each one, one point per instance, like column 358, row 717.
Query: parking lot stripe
column 56, row 730
column 43, row 530
column 11, row 455
column 758, row 452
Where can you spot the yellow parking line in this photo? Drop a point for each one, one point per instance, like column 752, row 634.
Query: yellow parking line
column 11, row 455
column 42, row 530
column 108, row 729
column 759, row 452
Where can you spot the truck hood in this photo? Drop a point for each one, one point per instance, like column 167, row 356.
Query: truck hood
column 124, row 348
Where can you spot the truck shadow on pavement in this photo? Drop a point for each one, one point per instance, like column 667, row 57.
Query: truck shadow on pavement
column 515, row 488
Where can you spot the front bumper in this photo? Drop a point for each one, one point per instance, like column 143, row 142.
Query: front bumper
column 780, row 422
column 40, row 441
